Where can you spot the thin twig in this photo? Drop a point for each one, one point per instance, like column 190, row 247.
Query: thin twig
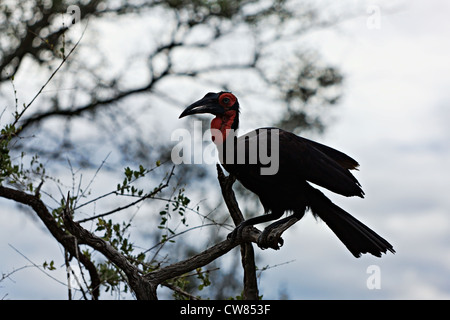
column 35, row 265
column 179, row 234
column 147, row 196
column 95, row 175
column 115, row 191
column 180, row 291
column 18, row 116
column 7, row 275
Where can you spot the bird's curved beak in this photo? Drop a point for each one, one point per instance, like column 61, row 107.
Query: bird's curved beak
column 207, row 104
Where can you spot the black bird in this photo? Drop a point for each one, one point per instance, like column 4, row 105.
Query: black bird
column 286, row 187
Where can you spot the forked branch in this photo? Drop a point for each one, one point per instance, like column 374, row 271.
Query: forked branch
column 144, row 285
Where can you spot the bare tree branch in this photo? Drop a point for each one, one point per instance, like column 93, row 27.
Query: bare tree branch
column 144, row 289
column 59, row 234
column 144, row 286
column 250, row 291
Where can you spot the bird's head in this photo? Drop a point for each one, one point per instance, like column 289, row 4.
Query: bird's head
column 224, row 105
column 214, row 103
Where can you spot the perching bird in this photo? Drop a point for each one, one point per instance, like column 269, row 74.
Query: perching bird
column 284, row 186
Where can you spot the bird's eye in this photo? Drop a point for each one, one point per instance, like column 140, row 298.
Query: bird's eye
column 227, row 99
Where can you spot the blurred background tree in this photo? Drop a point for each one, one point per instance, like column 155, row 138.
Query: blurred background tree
column 137, row 65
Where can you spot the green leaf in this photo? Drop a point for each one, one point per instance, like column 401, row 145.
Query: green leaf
column 49, row 266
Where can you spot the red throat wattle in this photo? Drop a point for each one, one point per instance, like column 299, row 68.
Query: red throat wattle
column 222, row 123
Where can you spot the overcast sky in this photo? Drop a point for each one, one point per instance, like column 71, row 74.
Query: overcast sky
column 393, row 119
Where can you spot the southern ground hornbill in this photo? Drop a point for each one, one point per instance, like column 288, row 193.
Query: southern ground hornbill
column 286, row 188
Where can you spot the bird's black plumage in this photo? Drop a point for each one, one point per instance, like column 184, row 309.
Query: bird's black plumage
column 300, row 163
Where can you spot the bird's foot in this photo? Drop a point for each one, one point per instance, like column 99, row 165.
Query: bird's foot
column 271, row 235
column 236, row 233
column 267, row 239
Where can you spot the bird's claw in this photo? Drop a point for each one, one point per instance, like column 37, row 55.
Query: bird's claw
column 267, row 240
column 236, row 233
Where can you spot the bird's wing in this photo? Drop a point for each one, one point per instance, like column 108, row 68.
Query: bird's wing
column 300, row 158
column 319, row 164
column 344, row 160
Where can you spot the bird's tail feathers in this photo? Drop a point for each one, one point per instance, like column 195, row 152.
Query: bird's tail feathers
column 356, row 236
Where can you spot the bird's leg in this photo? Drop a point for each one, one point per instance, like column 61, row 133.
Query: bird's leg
column 271, row 235
column 237, row 232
